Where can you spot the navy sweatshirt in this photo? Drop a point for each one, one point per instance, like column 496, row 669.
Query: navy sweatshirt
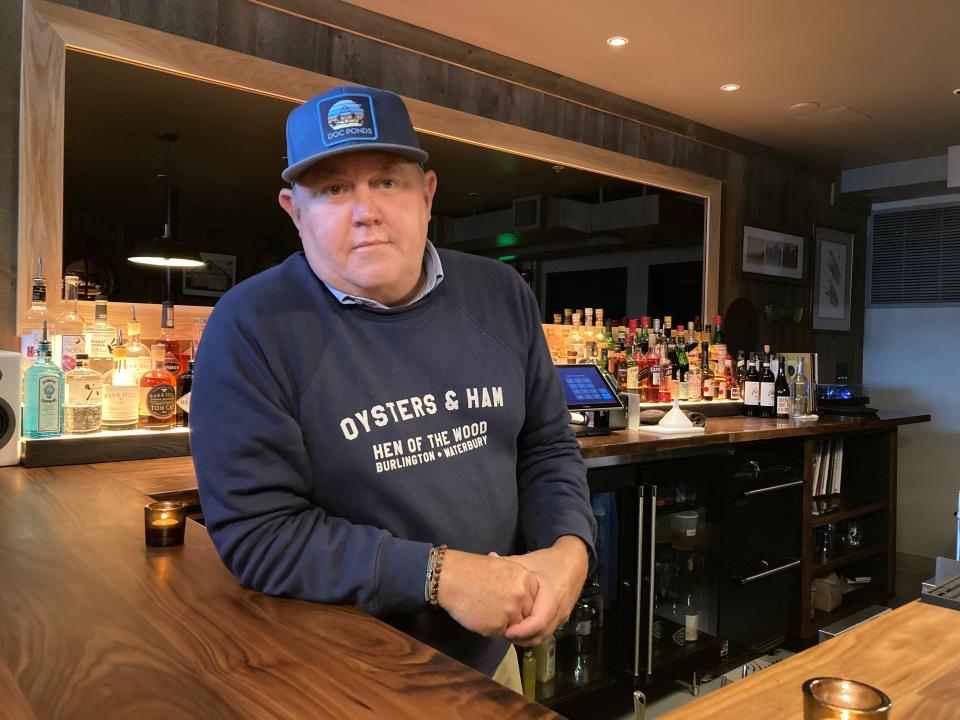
column 334, row 444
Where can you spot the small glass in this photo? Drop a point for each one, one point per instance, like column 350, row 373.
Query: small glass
column 164, row 523
column 831, row 698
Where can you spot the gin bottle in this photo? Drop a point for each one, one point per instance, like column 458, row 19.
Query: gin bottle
column 42, row 393
column 82, row 401
column 99, row 336
column 121, row 393
column 68, row 340
column 34, row 319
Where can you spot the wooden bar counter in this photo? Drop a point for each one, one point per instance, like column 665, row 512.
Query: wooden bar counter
column 910, row 654
column 95, row 625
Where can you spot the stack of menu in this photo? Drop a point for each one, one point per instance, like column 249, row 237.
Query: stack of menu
column 827, row 466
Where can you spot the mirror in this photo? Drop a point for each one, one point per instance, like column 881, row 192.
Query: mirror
column 579, row 238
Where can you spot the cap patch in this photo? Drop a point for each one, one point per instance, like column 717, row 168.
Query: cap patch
column 347, row 118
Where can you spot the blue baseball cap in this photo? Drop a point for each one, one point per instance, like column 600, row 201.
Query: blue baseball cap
column 347, row 119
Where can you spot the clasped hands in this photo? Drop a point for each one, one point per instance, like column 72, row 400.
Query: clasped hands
column 523, row 598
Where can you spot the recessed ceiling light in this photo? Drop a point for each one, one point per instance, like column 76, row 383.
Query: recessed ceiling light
column 957, row 91
column 617, row 41
column 730, row 87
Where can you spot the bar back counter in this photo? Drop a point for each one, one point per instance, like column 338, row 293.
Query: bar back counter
column 706, row 549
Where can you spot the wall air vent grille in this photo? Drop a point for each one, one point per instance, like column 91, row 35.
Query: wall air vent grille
column 916, row 257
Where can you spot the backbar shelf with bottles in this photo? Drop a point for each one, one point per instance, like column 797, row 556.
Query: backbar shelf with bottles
column 105, row 446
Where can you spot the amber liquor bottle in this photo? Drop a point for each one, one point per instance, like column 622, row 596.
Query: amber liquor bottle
column 158, row 394
column 175, row 355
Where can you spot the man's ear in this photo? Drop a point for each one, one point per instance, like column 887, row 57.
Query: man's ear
column 289, row 203
column 429, row 188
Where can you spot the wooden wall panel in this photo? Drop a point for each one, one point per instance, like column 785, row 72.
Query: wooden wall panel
column 340, row 40
column 40, row 187
column 10, row 34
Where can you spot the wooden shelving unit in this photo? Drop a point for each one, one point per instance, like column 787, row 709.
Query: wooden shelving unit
column 848, row 514
column 869, row 488
column 848, row 558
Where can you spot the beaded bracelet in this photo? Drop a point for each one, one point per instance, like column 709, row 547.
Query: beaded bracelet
column 441, row 551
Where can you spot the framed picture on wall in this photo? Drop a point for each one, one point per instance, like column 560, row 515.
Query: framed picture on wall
column 213, row 279
column 832, row 278
column 772, row 254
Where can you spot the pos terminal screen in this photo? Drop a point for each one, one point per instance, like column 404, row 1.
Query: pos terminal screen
column 585, row 388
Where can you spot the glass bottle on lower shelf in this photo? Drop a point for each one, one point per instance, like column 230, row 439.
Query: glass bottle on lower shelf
column 82, row 399
column 158, row 393
column 121, row 393
column 42, row 390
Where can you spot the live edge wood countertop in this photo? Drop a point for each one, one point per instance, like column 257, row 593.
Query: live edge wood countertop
column 94, row 625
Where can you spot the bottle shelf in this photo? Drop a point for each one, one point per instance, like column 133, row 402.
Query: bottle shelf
column 105, row 446
column 849, row 557
column 848, row 513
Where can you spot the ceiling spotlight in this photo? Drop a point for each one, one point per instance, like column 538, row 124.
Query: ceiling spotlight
column 558, row 168
column 957, row 91
column 617, row 41
column 730, row 87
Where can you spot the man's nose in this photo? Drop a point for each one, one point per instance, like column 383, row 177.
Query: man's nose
column 365, row 209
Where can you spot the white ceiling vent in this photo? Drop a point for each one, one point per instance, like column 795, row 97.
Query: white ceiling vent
column 835, row 117
column 916, row 257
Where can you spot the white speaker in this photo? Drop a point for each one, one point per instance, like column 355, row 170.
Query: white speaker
column 9, row 408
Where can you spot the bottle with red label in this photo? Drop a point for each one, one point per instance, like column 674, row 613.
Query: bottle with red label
column 158, row 393
column 174, row 355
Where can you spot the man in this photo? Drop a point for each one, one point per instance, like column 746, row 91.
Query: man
column 371, row 399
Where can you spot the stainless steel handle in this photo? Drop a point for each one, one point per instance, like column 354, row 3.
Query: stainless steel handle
column 639, row 705
column 653, row 575
column 772, row 488
column 768, row 573
column 639, row 584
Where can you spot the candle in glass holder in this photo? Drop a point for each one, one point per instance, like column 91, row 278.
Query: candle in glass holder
column 831, row 698
column 164, row 522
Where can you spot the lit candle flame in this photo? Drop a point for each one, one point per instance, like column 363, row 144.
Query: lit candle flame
column 164, row 516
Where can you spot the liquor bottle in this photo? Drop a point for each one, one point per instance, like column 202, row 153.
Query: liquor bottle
column 42, row 392
column 707, row 379
column 31, row 324
column 801, row 391
column 589, row 339
column 718, row 346
column 644, row 334
column 158, row 393
column 528, row 674
column 683, row 367
column 633, row 368
column 621, row 365
column 719, row 380
column 751, row 388
column 583, row 634
column 200, row 324
column 653, row 363
column 184, row 386
column 121, row 392
column 69, row 341
column 674, row 359
column 174, row 357
column 781, row 392
column 695, row 377
column 666, row 368
column 739, row 374
column 733, row 387
column 82, row 399
column 137, row 360
column 574, row 349
column 99, row 337
column 767, row 389
column 643, row 372
column 600, row 339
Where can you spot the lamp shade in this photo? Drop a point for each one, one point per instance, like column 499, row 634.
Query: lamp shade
column 162, row 253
